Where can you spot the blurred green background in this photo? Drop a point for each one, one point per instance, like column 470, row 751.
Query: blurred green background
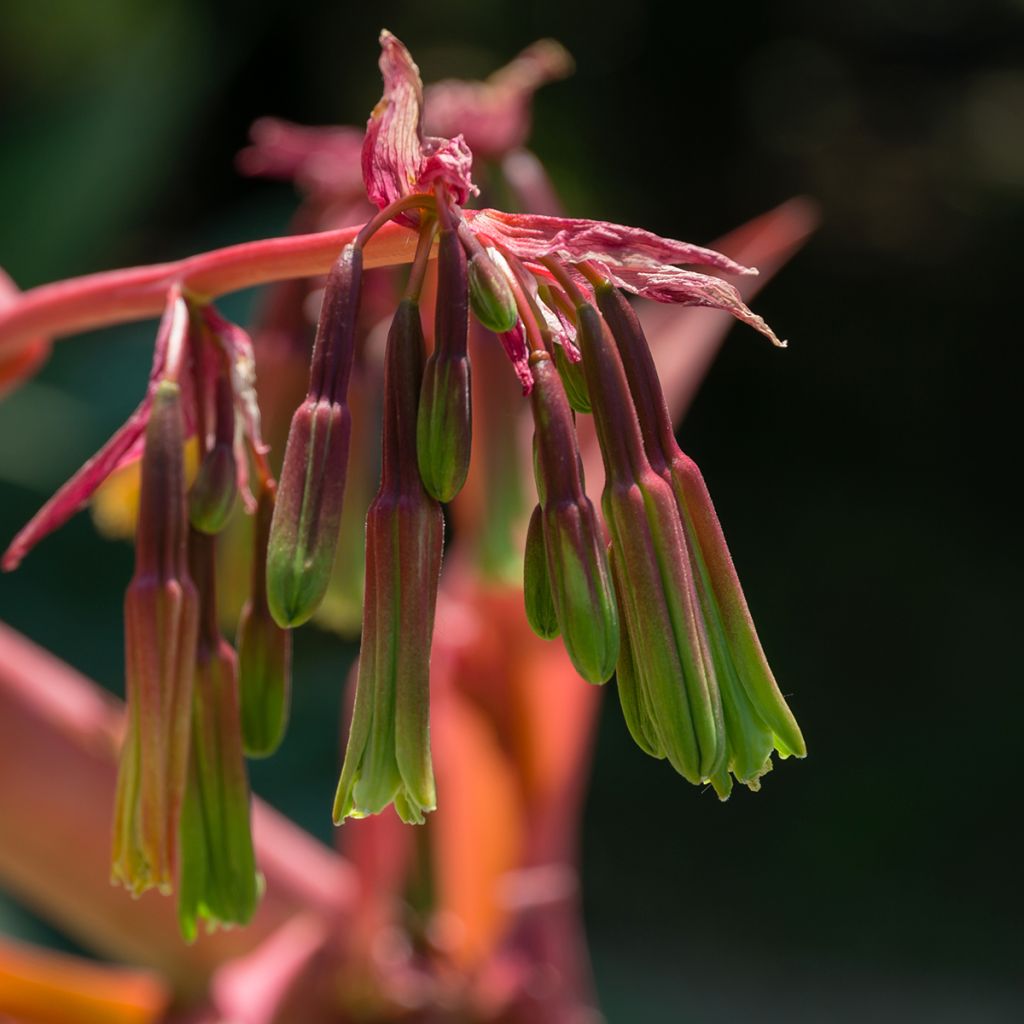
column 864, row 476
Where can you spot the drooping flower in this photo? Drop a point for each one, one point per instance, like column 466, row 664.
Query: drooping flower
column 577, row 568
column 307, row 514
column 218, row 880
column 683, row 714
column 161, row 623
column 387, row 758
column 757, row 718
column 201, row 387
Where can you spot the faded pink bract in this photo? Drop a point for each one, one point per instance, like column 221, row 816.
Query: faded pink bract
column 494, row 115
column 397, row 160
column 531, row 237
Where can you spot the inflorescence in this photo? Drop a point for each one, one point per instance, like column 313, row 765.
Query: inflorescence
column 646, row 590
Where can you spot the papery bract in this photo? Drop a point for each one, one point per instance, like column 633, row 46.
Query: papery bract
column 494, row 115
column 397, row 159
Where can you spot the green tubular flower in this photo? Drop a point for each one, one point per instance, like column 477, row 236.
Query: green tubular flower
column 659, row 602
column 387, row 759
column 444, row 422
column 218, row 881
column 264, row 653
column 574, row 380
column 540, row 608
column 307, row 515
column 756, row 715
column 579, row 580
column 161, row 622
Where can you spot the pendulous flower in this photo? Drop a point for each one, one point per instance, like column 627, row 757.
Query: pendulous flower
column 682, row 713
column 218, row 880
column 161, row 621
column 577, row 568
column 530, row 279
column 307, row 514
column 387, row 759
column 757, row 718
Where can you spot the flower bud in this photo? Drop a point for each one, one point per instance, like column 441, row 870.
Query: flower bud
column 659, row 605
column 581, row 587
column 573, row 380
column 307, row 514
column 757, row 718
column 304, row 529
column 212, row 496
column 218, row 882
column 161, row 624
column 342, row 607
column 540, row 608
column 490, row 296
column 444, row 420
column 264, row 652
column 387, row 759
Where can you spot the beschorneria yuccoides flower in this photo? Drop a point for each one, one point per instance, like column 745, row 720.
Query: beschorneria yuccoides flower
column 660, row 605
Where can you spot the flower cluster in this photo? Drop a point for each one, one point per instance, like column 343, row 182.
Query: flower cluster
column 645, row 590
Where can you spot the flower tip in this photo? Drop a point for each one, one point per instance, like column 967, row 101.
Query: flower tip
column 214, row 490
column 490, row 296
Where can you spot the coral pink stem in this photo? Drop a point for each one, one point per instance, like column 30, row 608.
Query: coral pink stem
column 115, row 296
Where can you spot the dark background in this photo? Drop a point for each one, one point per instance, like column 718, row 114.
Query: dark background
column 864, row 476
